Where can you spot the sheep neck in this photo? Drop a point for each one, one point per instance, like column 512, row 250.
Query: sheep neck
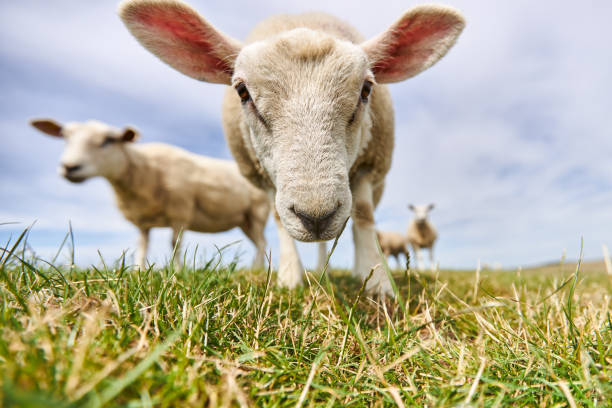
column 135, row 175
column 422, row 227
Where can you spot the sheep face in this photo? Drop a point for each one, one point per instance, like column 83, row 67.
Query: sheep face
column 304, row 98
column 92, row 148
column 421, row 212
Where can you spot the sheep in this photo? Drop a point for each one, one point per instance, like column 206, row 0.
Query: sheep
column 306, row 114
column 158, row 185
column 393, row 243
column 422, row 234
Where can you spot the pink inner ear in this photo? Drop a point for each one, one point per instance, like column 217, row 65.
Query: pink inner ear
column 412, row 44
column 182, row 39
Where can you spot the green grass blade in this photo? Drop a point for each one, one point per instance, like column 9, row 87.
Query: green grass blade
column 117, row 386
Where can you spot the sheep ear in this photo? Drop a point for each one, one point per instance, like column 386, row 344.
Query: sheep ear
column 181, row 38
column 129, row 135
column 431, row 207
column 411, row 207
column 413, row 43
column 48, row 126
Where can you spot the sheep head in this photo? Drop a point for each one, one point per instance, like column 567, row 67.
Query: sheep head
column 421, row 212
column 92, row 148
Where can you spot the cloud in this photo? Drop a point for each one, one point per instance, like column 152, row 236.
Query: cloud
column 509, row 134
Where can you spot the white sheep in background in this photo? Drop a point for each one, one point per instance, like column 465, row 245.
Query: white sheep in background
column 158, row 185
column 422, row 234
column 306, row 115
column 393, row 244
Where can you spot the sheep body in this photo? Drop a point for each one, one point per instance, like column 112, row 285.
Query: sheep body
column 421, row 235
column 371, row 158
column 165, row 186
column 393, row 244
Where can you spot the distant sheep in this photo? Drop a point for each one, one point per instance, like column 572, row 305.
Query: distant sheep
column 158, row 185
column 393, row 244
column 306, row 115
column 422, row 234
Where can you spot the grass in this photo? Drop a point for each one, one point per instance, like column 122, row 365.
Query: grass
column 216, row 335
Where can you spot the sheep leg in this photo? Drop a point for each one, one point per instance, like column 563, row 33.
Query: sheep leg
column 364, row 237
column 419, row 259
column 177, row 234
column 143, row 244
column 432, row 265
column 322, row 256
column 259, row 262
column 290, row 268
column 255, row 232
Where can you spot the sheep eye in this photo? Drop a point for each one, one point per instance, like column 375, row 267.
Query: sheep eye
column 243, row 92
column 365, row 91
column 107, row 141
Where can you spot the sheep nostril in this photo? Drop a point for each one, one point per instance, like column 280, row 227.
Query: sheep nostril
column 70, row 169
column 315, row 223
column 307, row 221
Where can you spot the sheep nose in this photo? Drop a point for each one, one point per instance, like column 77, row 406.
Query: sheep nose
column 315, row 224
column 69, row 169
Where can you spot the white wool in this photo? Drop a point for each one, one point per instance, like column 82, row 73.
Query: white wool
column 313, row 124
column 421, row 234
column 158, row 185
column 392, row 243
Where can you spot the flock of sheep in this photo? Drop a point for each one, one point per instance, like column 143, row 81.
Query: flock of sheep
column 306, row 117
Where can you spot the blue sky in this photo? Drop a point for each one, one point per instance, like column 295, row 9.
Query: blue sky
column 509, row 134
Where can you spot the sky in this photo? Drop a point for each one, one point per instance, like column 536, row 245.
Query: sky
column 509, row 134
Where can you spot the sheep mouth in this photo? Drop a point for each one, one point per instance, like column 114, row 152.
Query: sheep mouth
column 75, row 179
column 307, row 236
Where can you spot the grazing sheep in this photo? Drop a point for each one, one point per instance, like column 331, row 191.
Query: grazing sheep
column 393, row 243
column 306, row 115
column 158, row 185
column 422, row 234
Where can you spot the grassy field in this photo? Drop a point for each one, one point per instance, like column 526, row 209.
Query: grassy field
column 219, row 336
